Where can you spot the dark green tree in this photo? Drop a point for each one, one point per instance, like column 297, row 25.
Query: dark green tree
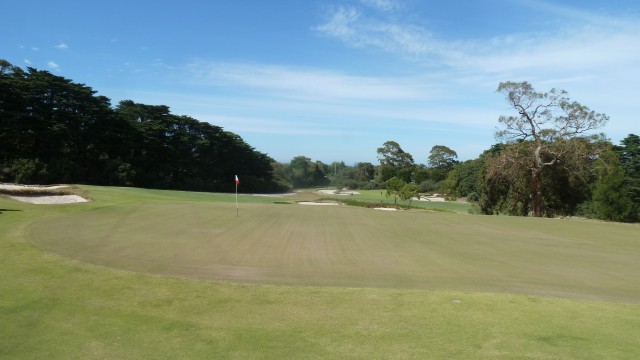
column 394, row 187
column 302, row 172
column 629, row 152
column 394, row 162
column 442, row 158
column 54, row 130
column 611, row 199
column 409, row 191
column 465, row 179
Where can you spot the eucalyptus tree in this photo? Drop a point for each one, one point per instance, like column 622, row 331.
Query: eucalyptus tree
column 545, row 122
column 442, row 158
column 395, row 162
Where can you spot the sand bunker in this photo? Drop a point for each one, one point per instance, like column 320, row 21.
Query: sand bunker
column 385, row 209
column 50, row 199
column 429, row 198
column 42, row 199
column 31, row 187
column 317, row 203
column 337, row 192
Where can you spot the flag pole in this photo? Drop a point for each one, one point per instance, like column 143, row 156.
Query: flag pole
column 237, row 182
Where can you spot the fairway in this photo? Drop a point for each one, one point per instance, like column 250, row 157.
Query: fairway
column 289, row 244
column 308, row 282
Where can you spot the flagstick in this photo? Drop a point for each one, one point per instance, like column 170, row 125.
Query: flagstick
column 237, row 199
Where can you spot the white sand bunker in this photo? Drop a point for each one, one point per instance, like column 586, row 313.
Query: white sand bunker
column 274, row 195
column 50, row 199
column 31, row 187
column 41, row 199
column 318, row 203
column 337, row 192
column 430, row 198
column 385, row 209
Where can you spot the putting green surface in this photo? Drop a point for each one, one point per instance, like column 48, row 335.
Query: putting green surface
column 292, row 244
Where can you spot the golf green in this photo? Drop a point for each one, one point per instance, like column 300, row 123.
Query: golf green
column 293, row 244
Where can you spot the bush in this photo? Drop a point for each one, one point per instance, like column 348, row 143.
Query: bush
column 430, row 186
column 27, row 171
column 473, row 197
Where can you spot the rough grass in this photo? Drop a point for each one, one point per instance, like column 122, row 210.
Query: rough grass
column 57, row 308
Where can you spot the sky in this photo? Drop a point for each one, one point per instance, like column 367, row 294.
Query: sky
column 333, row 80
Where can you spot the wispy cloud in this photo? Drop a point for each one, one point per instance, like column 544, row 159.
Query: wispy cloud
column 52, row 65
column 308, row 83
column 589, row 41
column 352, row 26
column 576, row 14
column 62, row 46
column 384, row 5
column 27, row 62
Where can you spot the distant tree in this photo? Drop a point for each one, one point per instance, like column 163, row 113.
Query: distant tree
column 364, row 171
column 302, row 172
column 465, row 179
column 394, row 162
column 394, row 187
column 336, row 167
column 53, row 130
column 409, row 191
column 611, row 199
column 442, row 158
column 629, row 152
column 507, row 180
column 547, row 120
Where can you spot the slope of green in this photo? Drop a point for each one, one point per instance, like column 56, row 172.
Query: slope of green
column 55, row 307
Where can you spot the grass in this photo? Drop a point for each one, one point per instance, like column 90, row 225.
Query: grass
column 379, row 197
column 56, row 307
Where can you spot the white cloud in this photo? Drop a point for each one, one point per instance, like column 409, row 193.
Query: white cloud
column 573, row 13
column 384, row 5
column 321, row 85
column 590, row 43
column 27, row 61
column 53, row 65
column 62, row 46
column 35, row 48
column 340, row 24
column 357, row 29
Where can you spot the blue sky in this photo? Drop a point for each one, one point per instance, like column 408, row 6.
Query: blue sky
column 333, row 80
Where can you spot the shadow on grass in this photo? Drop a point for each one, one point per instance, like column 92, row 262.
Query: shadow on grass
column 2, row 210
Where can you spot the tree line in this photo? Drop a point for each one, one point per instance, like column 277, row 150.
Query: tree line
column 547, row 161
column 53, row 130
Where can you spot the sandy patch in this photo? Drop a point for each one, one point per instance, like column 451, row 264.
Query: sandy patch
column 385, row 209
column 337, row 192
column 42, row 199
column 274, row 195
column 31, row 187
column 57, row 199
column 430, row 198
column 318, row 203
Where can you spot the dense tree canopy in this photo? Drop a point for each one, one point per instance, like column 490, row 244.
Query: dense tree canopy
column 53, row 130
column 442, row 158
column 394, row 162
